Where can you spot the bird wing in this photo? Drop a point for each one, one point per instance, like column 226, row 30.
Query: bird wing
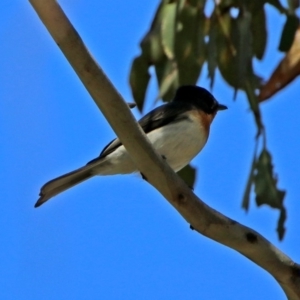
column 160, row 116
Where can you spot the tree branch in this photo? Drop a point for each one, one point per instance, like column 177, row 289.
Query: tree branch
column 202, row 218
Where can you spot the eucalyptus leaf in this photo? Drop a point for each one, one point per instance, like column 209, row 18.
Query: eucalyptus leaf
column 139, row 79
column 259, row 33
column 266, row 189
column 151, row 44
column 266, row 183
column 288, row 33
column 168, row 29
column 254, row 104
column 280, row 225
column 212, row 53
column 244, row 45
column 189, row 44
column 188, row 174
column 167, row 77
column 226, row 38
column 250, row 182
column 168, row 81
column 180, row 5
column 152, row 48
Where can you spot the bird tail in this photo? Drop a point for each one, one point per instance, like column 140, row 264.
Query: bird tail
column 64, row 182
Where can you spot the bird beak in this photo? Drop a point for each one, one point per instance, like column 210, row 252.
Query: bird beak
column 221, row 107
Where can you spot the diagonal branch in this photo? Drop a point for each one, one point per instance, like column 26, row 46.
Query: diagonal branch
column 202, row 218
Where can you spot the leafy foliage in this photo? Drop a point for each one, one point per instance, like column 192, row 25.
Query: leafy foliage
column 265, row 185
column 182, row 38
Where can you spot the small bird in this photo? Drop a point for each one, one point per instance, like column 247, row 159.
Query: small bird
column 177, row 130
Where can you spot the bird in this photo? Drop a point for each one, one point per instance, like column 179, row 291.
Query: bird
column 178, row 130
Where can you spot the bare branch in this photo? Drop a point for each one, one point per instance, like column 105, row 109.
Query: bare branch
column 202, row 218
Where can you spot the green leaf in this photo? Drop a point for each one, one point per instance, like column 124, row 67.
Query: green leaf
column 152, row 48
column 235, row 49
column 266, row 182
column 266, row 188
column 151, row 44
column 167, row 77
column 212, row 54
column 280, row 224
column 169, row 80
column 254, row 104
column 244, row 45
column 189, row 44
column 288, row 33
column 180, row 4
column 188, row 174
column 139, row 79
column 226, row 39
column 168, row 29
column 250, row 181
column 259, row 33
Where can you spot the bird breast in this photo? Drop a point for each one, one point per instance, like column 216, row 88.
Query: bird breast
column 179, row 142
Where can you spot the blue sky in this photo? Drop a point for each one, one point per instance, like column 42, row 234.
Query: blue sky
column 115, row 237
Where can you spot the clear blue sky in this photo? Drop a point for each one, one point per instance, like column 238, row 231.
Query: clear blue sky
column 116, row 237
